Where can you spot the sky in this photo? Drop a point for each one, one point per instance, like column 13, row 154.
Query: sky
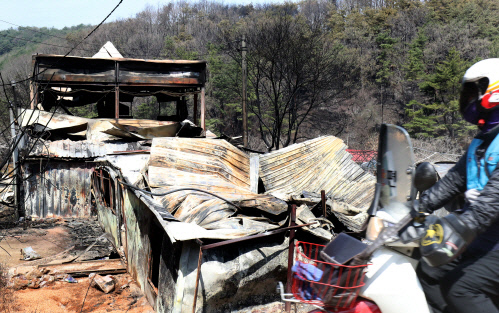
column 61, row 13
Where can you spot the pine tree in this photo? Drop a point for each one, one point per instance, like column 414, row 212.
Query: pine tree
column 415, row 67
column 439, row 115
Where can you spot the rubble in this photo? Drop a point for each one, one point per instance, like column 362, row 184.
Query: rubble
column 58, row 297
column 68, row 278
column 29, row 254
column 106, row 284
column 87, row 232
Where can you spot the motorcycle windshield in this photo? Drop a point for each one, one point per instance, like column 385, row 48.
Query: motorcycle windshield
column 395, row 170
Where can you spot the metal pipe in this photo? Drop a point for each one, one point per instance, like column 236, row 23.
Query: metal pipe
column 200, row 259
column 117, row 103
column 244, row 95
column 265, row 234
column 15, row 159
column 291, row 255
column 117, row 91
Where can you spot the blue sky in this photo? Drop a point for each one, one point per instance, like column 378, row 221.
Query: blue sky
column 60, row 13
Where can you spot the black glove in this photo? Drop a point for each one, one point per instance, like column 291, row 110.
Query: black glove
column 412, row 231
column 445, row 238
column 422, row 203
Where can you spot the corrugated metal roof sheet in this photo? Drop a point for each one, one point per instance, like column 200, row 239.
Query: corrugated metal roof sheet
column 318, row 164
column 212, row 165
column 217, row 161
column 80, row 149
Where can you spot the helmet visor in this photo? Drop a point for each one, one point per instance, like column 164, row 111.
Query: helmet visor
column 470, row 95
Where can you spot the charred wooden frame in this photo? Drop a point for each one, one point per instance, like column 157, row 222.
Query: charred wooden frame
column 104, row 188
column 126, row 77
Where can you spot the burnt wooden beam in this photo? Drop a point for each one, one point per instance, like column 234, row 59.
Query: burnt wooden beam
column 195, row 109
column 203, row 109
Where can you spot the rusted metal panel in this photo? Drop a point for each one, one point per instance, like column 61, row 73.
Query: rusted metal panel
column 160, row 81
column 109, row 79
column 57, row 188
column 315, row 165
column 73, row 78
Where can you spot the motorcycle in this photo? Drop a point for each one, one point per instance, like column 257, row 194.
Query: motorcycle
column 389, row 283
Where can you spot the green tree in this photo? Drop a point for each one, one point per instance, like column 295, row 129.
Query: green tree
column 385, row 66
column 225, row 113
column 415, row 67
column 439, row 114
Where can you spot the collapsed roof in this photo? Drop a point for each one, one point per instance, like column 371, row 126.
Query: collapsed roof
column 218, row 198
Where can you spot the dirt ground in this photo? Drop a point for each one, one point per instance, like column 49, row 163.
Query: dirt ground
column 63, row 239
column 46, row 242
column 72, row 297
column 57, row 240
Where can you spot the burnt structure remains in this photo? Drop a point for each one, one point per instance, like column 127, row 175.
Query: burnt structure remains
column 170, row 193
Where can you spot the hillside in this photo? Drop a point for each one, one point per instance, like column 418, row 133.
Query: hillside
column 314, row 68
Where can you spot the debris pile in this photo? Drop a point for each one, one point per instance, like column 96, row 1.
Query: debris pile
column 298, row 173
column 38, row 278
column 86, row 232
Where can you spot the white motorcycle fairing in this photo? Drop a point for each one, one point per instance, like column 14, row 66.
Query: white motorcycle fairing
column 391, row 282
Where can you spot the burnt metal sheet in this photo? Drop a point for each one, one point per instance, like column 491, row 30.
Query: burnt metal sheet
column 103, row 130
column 216, row 160
column 53, row 121
column 57, row 188
column 318, row 164
column 209, row 164
column 161, row 129
column 83, row 149
column 130, row 165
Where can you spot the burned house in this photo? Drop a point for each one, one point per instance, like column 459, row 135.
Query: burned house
column 200, row 222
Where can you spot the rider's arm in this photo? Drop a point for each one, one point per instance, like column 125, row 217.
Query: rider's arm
column 453, row 184
column 484, row 211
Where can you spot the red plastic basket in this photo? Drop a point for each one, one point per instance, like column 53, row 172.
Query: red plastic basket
column 339, row 285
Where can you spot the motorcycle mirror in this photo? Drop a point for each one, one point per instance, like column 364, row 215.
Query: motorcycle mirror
column 425, row 176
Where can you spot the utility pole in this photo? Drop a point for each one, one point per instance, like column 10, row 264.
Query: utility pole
column 244, row 73
column 15, row 154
